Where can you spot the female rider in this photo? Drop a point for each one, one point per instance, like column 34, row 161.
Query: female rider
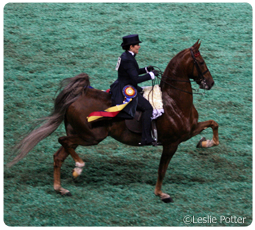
column 128, row 74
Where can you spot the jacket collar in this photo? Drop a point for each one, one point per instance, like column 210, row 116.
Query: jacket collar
column 132, row 53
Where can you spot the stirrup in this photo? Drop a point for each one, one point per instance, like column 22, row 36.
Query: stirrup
column 154, row 131
column 153, row 143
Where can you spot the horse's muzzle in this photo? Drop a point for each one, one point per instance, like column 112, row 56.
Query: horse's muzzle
column 206, row 85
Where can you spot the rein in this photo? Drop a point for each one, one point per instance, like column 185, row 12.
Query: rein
column 172, row 79
column 200, row 76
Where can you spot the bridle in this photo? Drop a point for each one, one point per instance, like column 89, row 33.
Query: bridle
column 200, row 79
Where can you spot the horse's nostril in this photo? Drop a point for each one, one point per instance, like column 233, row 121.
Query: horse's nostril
column 212, row 84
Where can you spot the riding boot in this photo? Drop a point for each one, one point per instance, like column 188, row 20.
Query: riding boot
column 146, row 126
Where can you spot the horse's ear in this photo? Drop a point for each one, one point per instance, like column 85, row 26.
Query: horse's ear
column 197, row 45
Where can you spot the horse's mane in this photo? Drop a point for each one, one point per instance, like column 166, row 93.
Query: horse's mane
column 173, row 65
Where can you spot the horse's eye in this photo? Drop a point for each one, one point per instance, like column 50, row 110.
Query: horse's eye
column 201, row 63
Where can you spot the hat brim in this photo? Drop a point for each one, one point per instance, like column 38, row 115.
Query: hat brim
column 130, row 43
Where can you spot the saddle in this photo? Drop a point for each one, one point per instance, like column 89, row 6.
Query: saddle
column 135, row 125
column 152, row 94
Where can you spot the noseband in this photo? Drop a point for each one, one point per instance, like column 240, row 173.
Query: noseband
column 200, row 78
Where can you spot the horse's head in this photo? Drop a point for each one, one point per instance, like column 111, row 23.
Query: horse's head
column 200, row 72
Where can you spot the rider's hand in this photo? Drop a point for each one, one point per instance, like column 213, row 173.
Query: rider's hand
column 156, row 73
column 150, row 68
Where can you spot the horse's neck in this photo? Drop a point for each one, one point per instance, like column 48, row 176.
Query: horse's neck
column 177, row 90
column 178, row 95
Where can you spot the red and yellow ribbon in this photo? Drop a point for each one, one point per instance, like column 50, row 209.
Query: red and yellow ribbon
column 128, row 91
column 110, row 112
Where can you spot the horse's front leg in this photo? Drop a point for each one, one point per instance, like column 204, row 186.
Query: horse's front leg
column 203, row 143
column 168, row 152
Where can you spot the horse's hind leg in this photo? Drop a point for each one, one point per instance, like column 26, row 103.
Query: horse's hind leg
column 203, row 143
column 70, row 143
column 59, row 158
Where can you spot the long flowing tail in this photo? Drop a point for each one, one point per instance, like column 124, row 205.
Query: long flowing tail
column 73, row 87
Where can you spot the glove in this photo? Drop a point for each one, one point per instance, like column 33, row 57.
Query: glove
column 150, row 68
column 156, row 73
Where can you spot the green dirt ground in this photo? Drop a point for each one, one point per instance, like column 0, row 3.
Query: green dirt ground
column 45, row 43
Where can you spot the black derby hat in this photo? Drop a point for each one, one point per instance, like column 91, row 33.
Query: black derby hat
column 131, row 39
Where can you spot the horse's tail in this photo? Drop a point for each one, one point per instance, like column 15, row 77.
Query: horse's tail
column 73, row 87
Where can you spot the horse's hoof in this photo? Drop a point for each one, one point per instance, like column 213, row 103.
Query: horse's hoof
column 199, row 144
column 67, row 194
column 168, row 200
column 75, row 174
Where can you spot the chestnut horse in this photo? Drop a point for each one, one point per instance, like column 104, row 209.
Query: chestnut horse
column 178, row 123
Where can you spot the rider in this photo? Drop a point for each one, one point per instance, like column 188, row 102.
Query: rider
column 128, row 71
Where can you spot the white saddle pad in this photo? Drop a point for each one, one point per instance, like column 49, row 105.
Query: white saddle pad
column 155, row 98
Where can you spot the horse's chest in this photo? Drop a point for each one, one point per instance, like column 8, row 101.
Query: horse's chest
column 182, row 121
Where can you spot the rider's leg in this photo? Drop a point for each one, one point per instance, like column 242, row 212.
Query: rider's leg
column 145, row 106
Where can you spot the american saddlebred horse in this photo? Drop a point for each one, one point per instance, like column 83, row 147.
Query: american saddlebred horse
column 178, row 123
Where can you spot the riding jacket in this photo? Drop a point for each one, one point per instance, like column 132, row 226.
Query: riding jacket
column 128, row 74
